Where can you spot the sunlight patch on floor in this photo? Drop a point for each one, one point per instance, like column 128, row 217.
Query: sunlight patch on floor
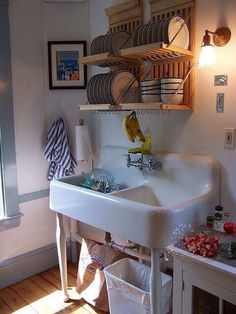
column 54, row 304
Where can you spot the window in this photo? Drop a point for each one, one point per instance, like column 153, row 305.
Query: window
column 9, row 207
column 1, row 195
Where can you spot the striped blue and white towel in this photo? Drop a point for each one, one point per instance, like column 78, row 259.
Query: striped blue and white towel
column 57, row 151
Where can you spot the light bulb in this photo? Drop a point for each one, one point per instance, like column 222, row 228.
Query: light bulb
column 207, row 56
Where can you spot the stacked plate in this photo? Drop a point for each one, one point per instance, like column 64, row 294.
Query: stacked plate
column 151, row 90
column 170, row 86
column 163, row 31
column 113, row 88
column 111, row 42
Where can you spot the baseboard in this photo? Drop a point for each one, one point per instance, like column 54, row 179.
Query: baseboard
column 29, row 264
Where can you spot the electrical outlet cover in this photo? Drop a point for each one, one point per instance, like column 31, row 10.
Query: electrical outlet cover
column 229, row 137
column 220, row 100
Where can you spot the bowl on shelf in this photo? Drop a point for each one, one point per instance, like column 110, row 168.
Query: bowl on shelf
column 151, row 90
column 150, row 83
column 169, row 87
column 171, row 82
column 165, row 98
column 151, row 98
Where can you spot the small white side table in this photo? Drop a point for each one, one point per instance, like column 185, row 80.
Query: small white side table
column 202, row 285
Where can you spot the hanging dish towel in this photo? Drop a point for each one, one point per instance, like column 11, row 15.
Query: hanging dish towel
column 57, row 151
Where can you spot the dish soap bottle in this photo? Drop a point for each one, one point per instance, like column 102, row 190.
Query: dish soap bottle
column 218, row 224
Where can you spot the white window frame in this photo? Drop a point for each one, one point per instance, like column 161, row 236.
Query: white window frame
column 10, row 216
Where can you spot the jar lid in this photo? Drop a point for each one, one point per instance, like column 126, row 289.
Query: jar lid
column 210, row 218
column 219, row 208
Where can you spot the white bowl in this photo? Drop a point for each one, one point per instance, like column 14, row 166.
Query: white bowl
column 147, row 83
column 172, row 91
column 151, row 98
column 165, row 98
column 151, row 90
column 173, row 80
column 171, row 86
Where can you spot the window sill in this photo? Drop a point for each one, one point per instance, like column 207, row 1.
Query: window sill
column 10, row 222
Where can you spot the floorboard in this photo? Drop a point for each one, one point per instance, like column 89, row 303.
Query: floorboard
column 41, row 294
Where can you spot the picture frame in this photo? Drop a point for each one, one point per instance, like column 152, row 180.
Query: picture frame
column 65, row 71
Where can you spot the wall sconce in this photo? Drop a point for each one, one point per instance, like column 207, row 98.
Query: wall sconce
column 220, row 38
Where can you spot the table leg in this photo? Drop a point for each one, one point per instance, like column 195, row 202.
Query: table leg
column 74, row 242
column 62, row 256
column 155, row 282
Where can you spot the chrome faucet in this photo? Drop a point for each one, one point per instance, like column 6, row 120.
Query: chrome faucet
column 139, row 163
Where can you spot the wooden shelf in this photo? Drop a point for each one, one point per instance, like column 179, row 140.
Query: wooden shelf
column 107, row 59
column 156, row 52
column 135, row 55
column 163, row 60
column 134, row 106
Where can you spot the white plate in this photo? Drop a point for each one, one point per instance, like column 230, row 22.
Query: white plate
column 135, row 36
column 95, row 90
column 160, row 30
column 100, row 89
column 182, row 39
column 155, row 31
column 109, row 42
column 120, row 40
column 92, row 48
column 103, row 44
column 145, row 34
column 90, row 89
column 140, row 35
column 105, row 90
column 108, row 87
column 165, row 38
column 149, row 32
column 124, row 88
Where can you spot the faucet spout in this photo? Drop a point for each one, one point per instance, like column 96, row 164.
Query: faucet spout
column 139, row 163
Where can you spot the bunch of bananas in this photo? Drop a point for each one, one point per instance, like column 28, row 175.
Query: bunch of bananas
column 132, row 129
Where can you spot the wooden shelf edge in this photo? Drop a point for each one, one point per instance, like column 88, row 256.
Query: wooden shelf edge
column 106, row 57
column 159, row 47
column 131, row 55
column 134, row 106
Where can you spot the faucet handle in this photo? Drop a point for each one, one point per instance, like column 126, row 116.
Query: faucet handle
column 128, row 159
column 154, row 164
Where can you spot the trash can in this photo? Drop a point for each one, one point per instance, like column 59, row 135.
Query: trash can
column 128, row 285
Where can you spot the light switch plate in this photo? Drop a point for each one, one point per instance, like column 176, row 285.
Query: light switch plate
column 229, row 137
column 220, row 99
column 221, row 80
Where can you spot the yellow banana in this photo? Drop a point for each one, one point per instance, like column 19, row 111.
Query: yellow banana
column 127, row 128
column 135, row 127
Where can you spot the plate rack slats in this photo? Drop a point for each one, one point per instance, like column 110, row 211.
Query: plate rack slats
column 177, row 68
column 163, row 60
column 126, row 16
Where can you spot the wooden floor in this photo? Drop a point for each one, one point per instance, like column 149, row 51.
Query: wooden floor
column 41, row 294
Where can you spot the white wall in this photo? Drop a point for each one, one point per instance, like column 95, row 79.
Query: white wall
column 199, row 132
column 32, row 24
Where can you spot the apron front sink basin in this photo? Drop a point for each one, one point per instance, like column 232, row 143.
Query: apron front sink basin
column 155, row 209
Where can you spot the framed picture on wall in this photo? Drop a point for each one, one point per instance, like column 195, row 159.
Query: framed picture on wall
column 65, row 71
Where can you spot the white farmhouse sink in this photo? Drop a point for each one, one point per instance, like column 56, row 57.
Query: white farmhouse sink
column 155, row 208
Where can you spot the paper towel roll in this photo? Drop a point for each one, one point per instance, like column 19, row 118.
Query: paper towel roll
column 83, row 143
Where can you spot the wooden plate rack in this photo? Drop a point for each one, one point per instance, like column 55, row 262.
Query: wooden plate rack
column 164, row 60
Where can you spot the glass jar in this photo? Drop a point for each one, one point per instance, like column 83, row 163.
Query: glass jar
column 218, row 224
column 210, row 221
